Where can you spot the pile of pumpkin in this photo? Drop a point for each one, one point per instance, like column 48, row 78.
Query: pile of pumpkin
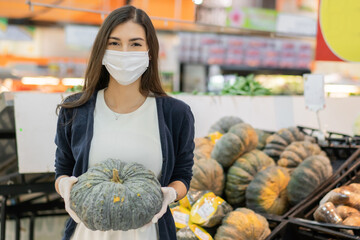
column 340, row 206
column 248, row 167
column 202, row 210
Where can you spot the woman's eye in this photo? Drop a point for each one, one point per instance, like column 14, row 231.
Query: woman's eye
column 113, row 43
column 136, row 45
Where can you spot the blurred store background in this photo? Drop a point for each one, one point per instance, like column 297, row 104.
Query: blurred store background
column 44, row 44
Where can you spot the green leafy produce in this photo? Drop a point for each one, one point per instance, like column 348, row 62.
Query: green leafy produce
column 77, row 88
column 245, row 86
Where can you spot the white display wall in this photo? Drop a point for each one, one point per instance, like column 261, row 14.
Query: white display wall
column 273, row 112
column 35, row 119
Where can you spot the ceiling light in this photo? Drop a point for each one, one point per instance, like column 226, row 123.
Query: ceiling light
column 73, row 81
column 40, row 81
column 198, row 2
column 337, row 88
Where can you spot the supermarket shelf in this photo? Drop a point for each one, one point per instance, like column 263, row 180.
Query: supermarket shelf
column 6, row 100
column 256, row 70
column 261, row 70
column 240, row 70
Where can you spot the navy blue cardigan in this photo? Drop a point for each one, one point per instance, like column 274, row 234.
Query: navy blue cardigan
column 176, row 125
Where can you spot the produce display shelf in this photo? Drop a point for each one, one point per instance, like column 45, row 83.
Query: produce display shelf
column 296, row 230
column 338, row 146
column 28, row 195
column 311, row 203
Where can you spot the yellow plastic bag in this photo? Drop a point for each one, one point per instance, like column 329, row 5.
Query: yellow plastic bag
column 215, row 136
column 209, row 210
column 190, row 198
column 199, row 232
column 181, row 216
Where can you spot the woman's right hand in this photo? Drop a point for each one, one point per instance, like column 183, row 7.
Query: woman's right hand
column 65, row 185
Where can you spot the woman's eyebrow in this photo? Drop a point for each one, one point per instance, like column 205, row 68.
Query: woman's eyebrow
column 136, row 39
column 115, row 38
column 131, row 40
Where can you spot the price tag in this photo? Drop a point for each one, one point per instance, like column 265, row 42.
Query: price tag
column 181, row 218
column 201, row 235
column 206, row 210
column 314, row 92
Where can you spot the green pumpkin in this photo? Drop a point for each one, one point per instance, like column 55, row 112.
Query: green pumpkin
column 243, row 224
column 310, row 174
column 114, row 195
column 262, row 136
column 208, row 174
column 185, row 234
column 296, row 152
column 242, row 172
column 241, row 138
column 267, row 192
column 276, row 143
column 203, row 148
column 224, row 124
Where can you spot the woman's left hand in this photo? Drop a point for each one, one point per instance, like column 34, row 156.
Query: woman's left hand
column 170, row 196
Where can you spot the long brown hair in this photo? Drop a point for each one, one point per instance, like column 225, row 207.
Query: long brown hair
column 97, row 76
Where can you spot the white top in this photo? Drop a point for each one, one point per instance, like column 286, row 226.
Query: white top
column 131, row 137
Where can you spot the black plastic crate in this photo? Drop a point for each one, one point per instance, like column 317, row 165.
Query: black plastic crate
column 346, row 166
column 296, row 230
column 304, row 213
column 338, row 146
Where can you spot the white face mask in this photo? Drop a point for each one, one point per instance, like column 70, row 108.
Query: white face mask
column 125, row 67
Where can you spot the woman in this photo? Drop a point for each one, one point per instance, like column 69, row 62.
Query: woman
column 124, row 113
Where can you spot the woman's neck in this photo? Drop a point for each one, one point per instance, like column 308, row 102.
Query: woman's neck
column 123, row 99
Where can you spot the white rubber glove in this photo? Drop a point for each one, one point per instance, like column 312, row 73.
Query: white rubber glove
column 65, row 185
column 170, row 195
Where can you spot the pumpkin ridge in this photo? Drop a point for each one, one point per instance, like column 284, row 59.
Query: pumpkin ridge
column 242, row 172
column 287, row 135
column 254, row 161
column 265, row 192
column 208, row 174
column 312, row 172
column 224, row 124
column 98, row 221
column 200, row 172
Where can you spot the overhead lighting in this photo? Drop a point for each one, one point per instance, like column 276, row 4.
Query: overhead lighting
column 337, row 88
column 73, row 81
column 198, row 2
column 40, row 81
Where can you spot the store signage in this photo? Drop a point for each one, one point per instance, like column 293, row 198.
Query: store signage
column 314, row 92
column 252, row 18
column 17, row 33
column 211, row 15
column 338, row 37
column 296, row 24
column 80, row 37
column 260, row 19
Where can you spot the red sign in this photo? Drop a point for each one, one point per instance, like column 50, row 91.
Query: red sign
column 323, row 52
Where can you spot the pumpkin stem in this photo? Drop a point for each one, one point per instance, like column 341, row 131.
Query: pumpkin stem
column 116, row 177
